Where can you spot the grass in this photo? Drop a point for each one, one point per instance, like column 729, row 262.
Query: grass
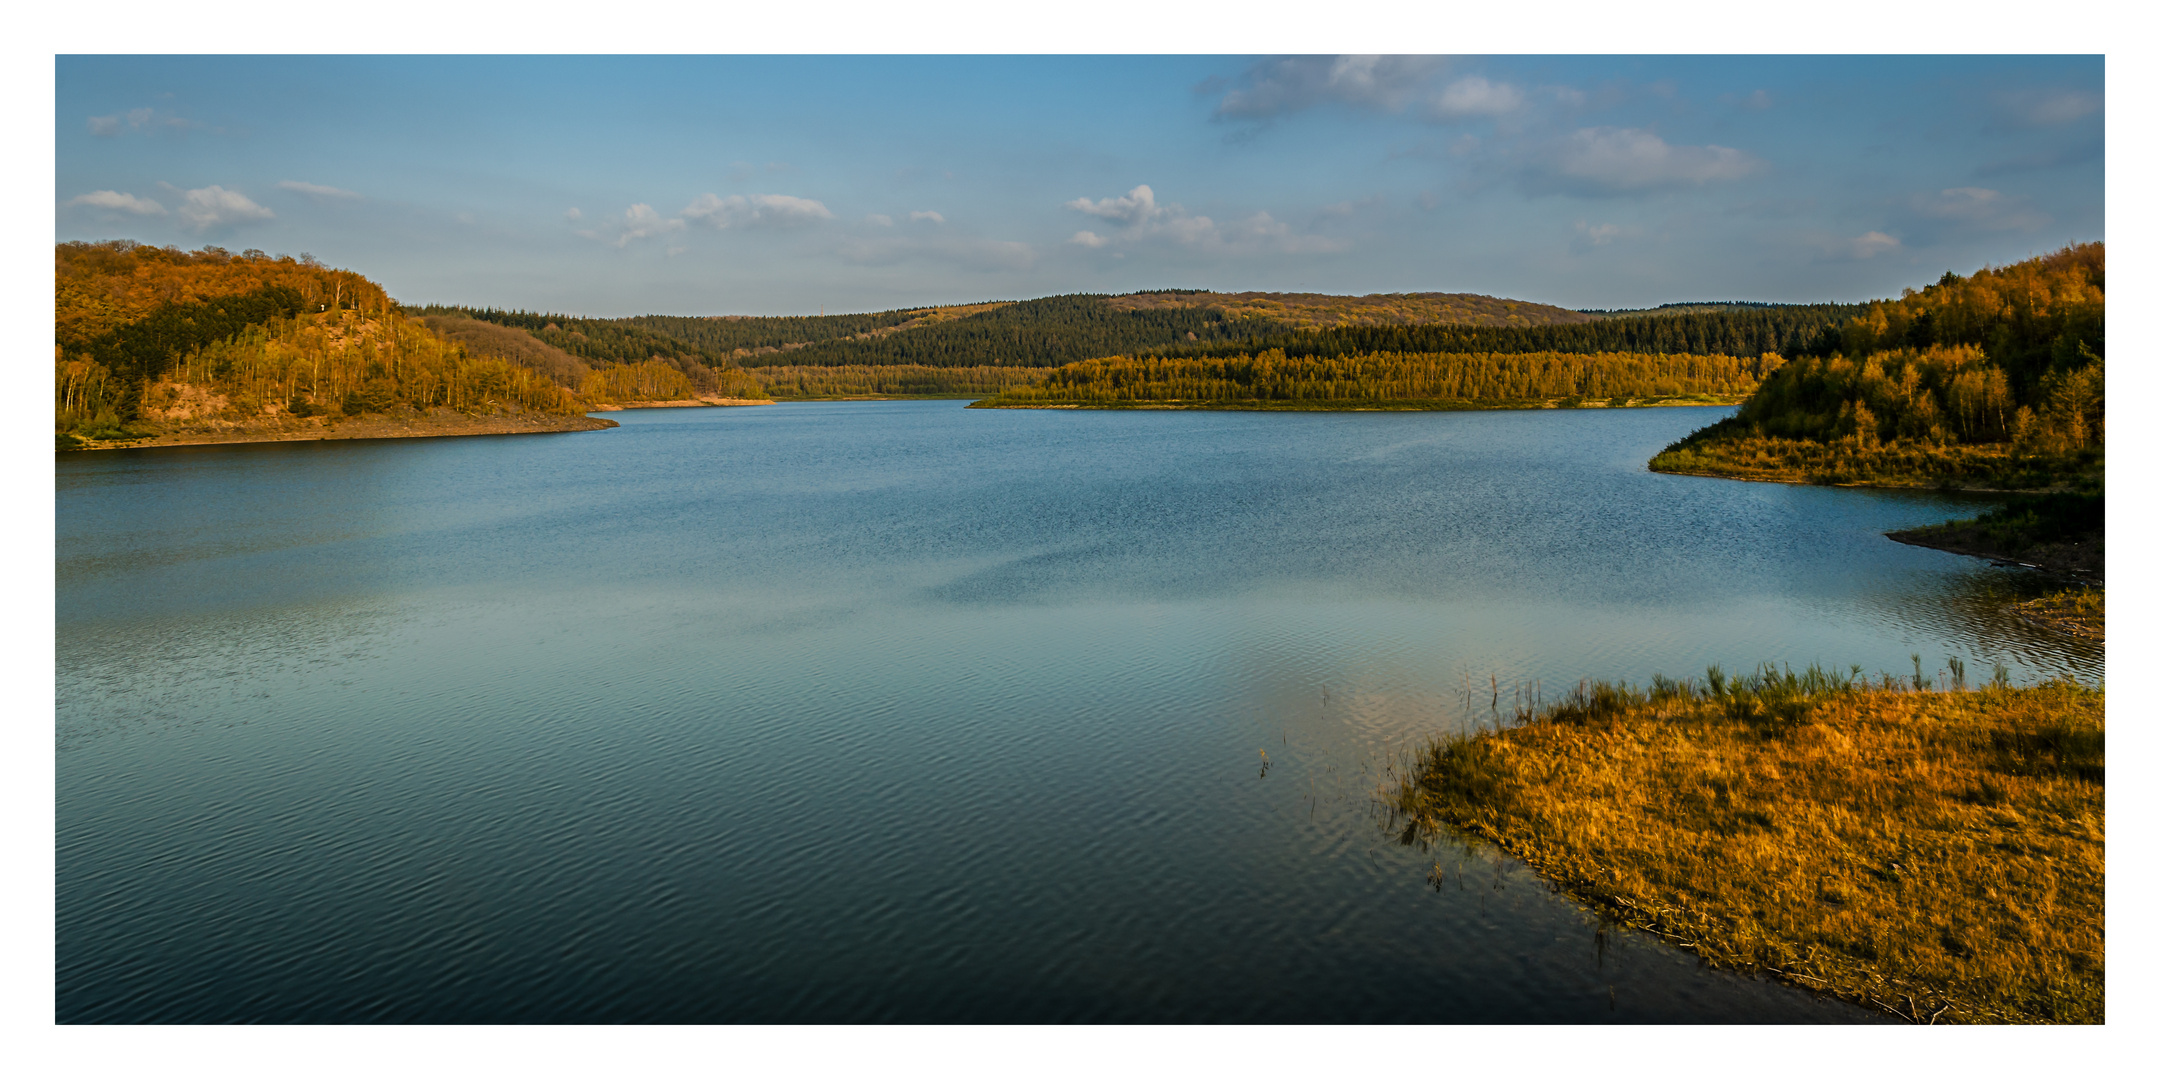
column 1985, row 466
column 2063, row 531
column 2081, row 611
column 1935, row 853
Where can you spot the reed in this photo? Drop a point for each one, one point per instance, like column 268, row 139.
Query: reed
column 1938, row 854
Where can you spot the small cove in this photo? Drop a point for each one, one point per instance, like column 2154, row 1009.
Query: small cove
column 902, row 712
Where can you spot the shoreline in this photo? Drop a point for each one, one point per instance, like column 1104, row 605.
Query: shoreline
column 321, row 429
column 1915, row 485
column 1850, row 872
column 1393, row 405
column 2052, row 555
column 682, row 403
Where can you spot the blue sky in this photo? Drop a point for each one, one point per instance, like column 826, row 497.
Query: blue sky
column 765, row 185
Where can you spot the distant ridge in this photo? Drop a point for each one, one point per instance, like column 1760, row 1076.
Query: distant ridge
column 1691, row 307
column 1044, row 332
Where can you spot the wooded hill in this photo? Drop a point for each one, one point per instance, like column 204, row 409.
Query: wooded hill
column 1785, row 329
column 1040, row 333
column 147, row 339
column 1390, row 380
column 1992, row 381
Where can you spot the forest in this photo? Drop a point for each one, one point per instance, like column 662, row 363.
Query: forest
column 1272, row 379
column 1993, row 380
column 1785, row 329
column 151, row 339
column 890, row 381
column 1041, row 333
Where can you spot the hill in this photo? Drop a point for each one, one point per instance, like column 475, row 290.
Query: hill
column 1040, row 333
column 165, row 345
column 1993, row 381
column 1787, row 330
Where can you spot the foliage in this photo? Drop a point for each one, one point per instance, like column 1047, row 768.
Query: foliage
column 653, row 380
column 1038, row 333
column 1786, row 330
column 1373, row 379
column 891, row 380
column 102, row 287
column 161, row 338
column 512, row 344
column 1940, row 854
column 2081, row 611
column 1313, row 311
column 1033, row 333
column 599, row 343
column 1997, row 378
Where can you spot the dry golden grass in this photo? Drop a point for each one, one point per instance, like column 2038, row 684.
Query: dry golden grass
column 2081, row 611
column 1936, row 854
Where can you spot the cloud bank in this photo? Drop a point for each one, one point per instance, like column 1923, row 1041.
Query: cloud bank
column 120, row 201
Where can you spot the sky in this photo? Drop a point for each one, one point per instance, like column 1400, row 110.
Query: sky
column 704, row 185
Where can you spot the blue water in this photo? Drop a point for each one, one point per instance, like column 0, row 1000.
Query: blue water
column 902, row 712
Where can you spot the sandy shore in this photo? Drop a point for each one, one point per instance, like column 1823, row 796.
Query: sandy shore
column 319, row 428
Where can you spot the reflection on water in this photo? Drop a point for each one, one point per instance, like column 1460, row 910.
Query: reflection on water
column 900, row 712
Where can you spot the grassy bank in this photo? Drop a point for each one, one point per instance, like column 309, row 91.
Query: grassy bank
column 1896, row 464
column 1935, row 853
column 2081, row 612
column 400, row 424
column 2065, row 532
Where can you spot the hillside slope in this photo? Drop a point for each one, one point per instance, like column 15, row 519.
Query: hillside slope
column 1993, row 381
column 156, row 345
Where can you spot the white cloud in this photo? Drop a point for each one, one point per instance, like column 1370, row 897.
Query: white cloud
column 1596, row 235
column 1589, row 238
column 1867, row 245
column 2046, row 108
column 641, row 221
column 1608, row 160
column 133, row 120
column 213, row 207
column 880, row 220
column 1978, row 208
column 1299, row 82
column 119, row 200
column 1474, row 96
column 1135, row 207
column 926, row 215
column 573, row 213
column 736, row 211
column 320, row 191
column 1145, row 220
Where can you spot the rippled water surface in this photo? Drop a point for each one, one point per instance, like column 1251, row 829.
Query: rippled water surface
column 899, row 711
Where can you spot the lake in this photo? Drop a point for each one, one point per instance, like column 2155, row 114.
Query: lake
column 897, row 711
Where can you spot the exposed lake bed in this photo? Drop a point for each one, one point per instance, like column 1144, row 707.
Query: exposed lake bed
column 892, row 711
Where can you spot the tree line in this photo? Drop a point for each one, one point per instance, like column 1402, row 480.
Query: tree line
column 1274, row 377
column 1787, row 330
column 1998, row 377
column 153, row 335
